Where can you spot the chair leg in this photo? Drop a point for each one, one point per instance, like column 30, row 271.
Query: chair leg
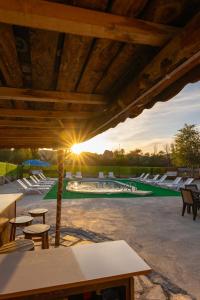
column 183, row 210
column 188, row 209
column 194, row 209
column 43, row 218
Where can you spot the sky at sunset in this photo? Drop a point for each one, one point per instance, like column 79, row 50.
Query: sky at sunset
column 156, row 126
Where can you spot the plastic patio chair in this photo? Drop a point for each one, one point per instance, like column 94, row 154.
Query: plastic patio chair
column 101, row 175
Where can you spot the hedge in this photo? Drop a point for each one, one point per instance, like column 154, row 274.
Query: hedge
column 87, row 171
column 11, row 170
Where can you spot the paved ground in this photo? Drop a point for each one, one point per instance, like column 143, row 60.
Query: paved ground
column 152, row 226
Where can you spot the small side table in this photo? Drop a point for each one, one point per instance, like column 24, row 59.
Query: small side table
column 21, row 221
column 38, row 212
column 38, row 230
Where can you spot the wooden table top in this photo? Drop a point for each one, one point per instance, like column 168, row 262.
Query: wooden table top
column 7, row 199
column 50, row 270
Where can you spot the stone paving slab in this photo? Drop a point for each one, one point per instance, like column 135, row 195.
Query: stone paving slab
column 153, row 227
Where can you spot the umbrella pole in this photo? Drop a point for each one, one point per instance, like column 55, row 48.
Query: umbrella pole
column 60, row 159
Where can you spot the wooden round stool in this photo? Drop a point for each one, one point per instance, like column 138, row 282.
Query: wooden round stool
column 19, row 245
column 38, row 230
column 3, row 223
column 38, row 212
column 19, row 222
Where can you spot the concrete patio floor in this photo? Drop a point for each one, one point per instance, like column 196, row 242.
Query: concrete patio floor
column 152, row 226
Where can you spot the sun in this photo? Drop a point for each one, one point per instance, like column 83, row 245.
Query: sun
column 76, row 148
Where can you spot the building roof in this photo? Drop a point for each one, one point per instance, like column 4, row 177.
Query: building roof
column 71, row 69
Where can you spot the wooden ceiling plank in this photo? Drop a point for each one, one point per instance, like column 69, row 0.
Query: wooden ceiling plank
column 50, row 96
column 43, row 57
column 68, row 19
column 72, row 66
column 28, row 113
column 9, row 65
column 75, row 52
column 177, row 58
column 127, row 61
column 104, row 50
column 26, row 124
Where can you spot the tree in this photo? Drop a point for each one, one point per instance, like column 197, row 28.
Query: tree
column 186, row 148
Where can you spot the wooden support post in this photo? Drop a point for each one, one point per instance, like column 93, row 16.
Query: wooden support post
column 60, row 158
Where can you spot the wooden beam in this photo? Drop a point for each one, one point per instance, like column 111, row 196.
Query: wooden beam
column 43, row 134
column 27, row 124
column 9, row 64
column 28, row 113
column 50, row 96
column 177, row 58
column 69, row 19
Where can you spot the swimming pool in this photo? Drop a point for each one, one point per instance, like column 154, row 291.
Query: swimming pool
column 103, row 187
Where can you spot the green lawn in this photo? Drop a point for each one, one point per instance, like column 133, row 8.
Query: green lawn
column 156, row 192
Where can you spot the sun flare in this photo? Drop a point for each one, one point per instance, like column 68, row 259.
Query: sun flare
column 76, row 149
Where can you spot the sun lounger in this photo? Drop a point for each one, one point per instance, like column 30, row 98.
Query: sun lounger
column 78, row 175
column 43, row 177
column 101, row 175
column 187, row 182
column 175, row 184
column 138, row 178
column 68, row 175
column 45, row 182
column 145, row 177
column 153, row 179
column 29, row 184
column 29, row 190
column 111, row 175
column 161, row 180
column 42, row 184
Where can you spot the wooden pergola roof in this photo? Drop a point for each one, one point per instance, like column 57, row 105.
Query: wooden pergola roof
column 71, row 69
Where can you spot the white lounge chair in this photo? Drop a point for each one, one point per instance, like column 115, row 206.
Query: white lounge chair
column 78, row 175
column 138, row 178
column 111, row 175
column 43, row 177
column 68, row 175
column 161, row 180
column 175, row 184
column 101, row 175
column 145, row 177
column 28, row 190
column 43, row 182
column 188, row 181
column 153, row 179
column 29, row 184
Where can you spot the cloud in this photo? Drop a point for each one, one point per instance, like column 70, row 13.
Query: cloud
column 157, row 125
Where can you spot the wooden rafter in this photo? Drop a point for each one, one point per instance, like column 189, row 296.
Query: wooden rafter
column 9, row 65
column 177, row 58
column 28, row 113
column 68, row 19
column 31, row 124
column 50, row 96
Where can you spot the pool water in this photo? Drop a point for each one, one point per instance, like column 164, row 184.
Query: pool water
column 103, row 187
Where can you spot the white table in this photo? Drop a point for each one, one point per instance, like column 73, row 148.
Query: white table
column 72, row 270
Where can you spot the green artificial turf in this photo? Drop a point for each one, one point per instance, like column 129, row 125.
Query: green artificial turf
column 156, row 192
